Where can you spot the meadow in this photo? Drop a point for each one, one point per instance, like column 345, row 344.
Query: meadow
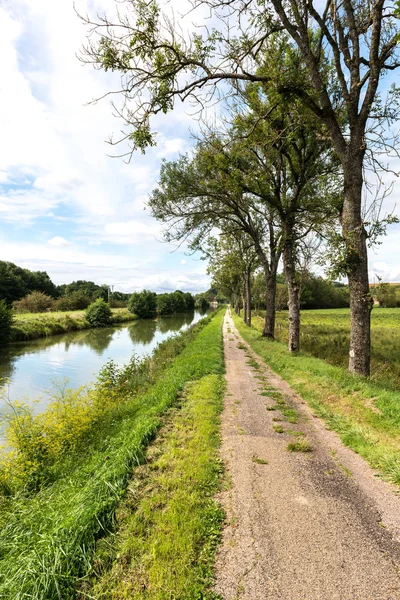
column 325, row 334
column 30, row 326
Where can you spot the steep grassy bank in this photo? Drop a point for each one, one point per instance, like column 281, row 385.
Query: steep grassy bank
column 365, row 413
column 326, row 333
column 31, row 326
column 47, row 536
column 169, row 524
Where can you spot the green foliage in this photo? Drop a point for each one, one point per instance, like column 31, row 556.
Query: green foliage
column 15, row 282
column 47, row 538
column 143, row 304
column 202, row 302
column 86, row 288
column 35, row 302
column 76, row 300
column 6, row 321
column 99, row 313
column 385, row 294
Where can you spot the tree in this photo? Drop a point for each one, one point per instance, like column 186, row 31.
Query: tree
column 99, row 313
column 359, row 40
column 143, row 304
column 35, row 302
column 6, row 321
column 232, row 261
column 195, row 195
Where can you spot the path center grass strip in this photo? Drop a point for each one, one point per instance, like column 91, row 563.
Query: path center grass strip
column 169, row 525
column 47, row 539
column 365, row 414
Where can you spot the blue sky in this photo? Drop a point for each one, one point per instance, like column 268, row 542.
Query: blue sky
column 65, row 206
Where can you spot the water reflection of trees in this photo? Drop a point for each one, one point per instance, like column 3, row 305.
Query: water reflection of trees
column 175, row 322
column 142, row 331
column 98, row 339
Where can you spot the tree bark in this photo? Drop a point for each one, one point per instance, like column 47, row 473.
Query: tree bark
column 270, row 312
column 270, row 268
column 355, row 238
column 248, row 296
column 244, row 305
column 293, row 291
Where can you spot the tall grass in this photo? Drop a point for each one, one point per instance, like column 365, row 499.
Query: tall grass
column 326, row 334
column 47, row 537
column 169, row 524
column 364, row 412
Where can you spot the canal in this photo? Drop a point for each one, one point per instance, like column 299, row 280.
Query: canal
column 28, row 370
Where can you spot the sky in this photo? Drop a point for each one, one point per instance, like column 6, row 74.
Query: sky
column 68, row 208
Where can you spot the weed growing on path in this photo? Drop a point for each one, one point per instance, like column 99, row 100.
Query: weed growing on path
column 301, row 445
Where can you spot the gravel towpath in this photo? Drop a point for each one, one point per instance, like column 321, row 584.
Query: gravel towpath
column 300, row 525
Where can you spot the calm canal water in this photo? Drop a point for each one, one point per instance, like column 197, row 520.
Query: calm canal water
column 31, row 367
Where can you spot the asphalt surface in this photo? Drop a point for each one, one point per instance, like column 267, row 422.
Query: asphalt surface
column 300, row 526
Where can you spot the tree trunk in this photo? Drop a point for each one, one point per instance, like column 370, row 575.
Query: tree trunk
column 248, row 296
column 270, row 269
column 270, row 312
column 293, row 291
column 244, row 305
column 361, row 301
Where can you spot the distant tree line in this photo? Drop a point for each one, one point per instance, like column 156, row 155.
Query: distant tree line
column 147, row 304
column 33, row 291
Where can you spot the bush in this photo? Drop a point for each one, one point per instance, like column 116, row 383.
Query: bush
column 74, row 301
column 6, row 320
column 143, row 304
column 35, row 302
column 99, row 313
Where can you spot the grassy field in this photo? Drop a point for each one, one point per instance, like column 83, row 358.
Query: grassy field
column 325, row 334
column 30, row 326
column 49, row 526
column 365, row 413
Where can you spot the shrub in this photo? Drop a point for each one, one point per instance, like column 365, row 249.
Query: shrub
column 99, row 313
column 75, row 301
column 6, row 320
column 143, row 304
column 35, row 302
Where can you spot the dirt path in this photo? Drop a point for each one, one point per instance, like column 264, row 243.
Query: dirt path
column 300, row 526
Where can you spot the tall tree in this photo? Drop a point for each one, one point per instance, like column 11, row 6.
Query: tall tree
column 195, row 195
column 358, row 37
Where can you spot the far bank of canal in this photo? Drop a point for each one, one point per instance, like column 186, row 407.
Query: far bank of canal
column 31, row 368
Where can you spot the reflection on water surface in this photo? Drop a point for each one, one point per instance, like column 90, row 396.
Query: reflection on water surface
column 30, row 367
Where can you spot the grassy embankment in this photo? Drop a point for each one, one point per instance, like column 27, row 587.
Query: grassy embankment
column 52, row 515
column 30, row 326
column 365, row 413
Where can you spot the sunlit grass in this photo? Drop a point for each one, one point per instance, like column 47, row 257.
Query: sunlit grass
column 47, row 537
column 325, row 334
column 29, row 326
column 169, row 525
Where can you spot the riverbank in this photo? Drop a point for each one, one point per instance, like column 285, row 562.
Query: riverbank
column 365, row 413
column 31, row 326
column 75, row 462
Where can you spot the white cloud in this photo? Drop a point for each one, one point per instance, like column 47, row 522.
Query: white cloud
column 183, row 261
column 58, row 241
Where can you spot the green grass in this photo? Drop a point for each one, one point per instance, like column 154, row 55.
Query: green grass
column 301, row 445
column 364, row 412
column 47, row 538
column 169, row 525
column 31, row 326
column 325, row 334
